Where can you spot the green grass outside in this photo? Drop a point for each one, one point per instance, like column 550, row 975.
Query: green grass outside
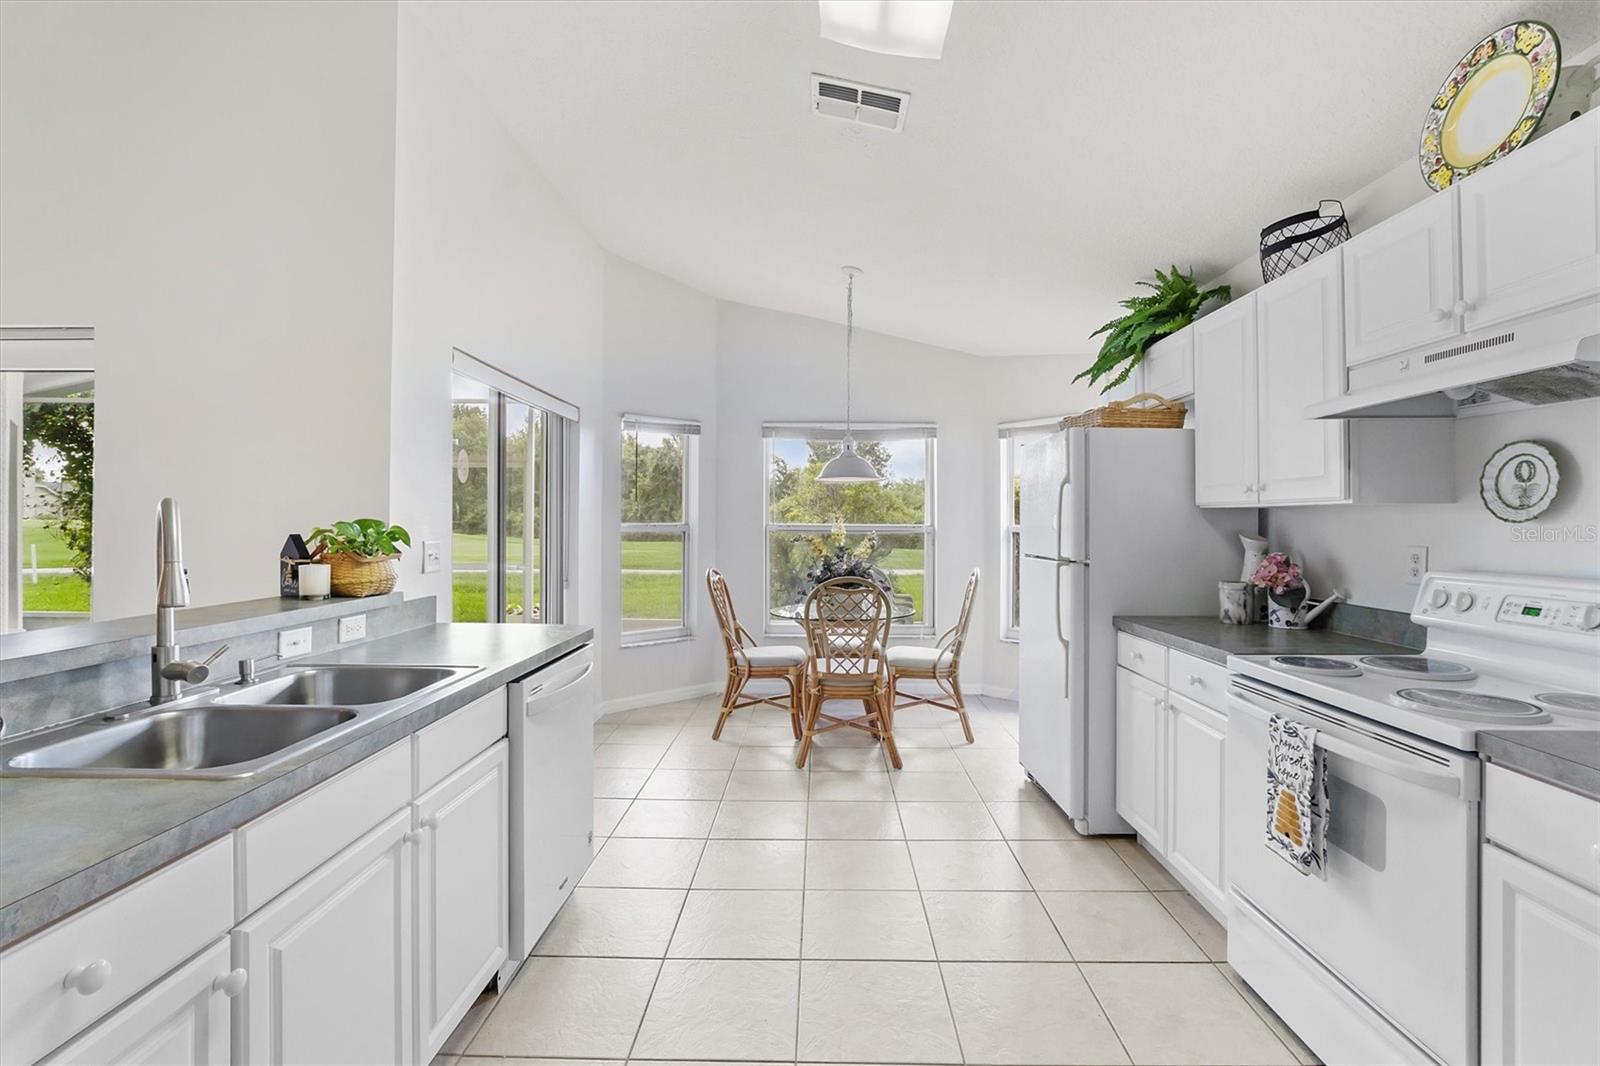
column 636, row 554
column 53, row 592
column 53, row 551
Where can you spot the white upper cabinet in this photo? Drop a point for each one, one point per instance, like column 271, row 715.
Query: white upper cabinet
column 1300, row 358
column 1530, row 228
column 1400, row 284
column 1168, row 367
column 1226, row 436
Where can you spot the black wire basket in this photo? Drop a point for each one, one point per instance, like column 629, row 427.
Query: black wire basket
column 1289, row 242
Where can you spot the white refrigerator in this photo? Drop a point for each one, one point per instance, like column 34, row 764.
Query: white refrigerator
column 1109, row 527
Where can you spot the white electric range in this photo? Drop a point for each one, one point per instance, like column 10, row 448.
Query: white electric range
column 1379, row 961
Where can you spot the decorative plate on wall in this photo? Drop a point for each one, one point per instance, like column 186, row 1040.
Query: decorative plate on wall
column 1491, row 103
column 1519, row 481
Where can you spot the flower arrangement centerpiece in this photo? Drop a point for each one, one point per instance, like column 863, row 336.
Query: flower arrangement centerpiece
column 1282, row 579
column 835, row 558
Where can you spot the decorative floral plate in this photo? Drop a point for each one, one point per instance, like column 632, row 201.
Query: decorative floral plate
column 1519, row 481
column 1491, row 103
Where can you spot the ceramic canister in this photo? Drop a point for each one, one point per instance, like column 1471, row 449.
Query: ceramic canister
column 1233, row 603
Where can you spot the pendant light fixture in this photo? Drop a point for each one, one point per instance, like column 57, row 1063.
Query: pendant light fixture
column 848, row 467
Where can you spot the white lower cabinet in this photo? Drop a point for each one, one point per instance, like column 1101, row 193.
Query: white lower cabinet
column 365, row 920
column 463, row 878
column 1195, row 748
column 1540, row 957
column 1141, row 742
column 181, row 1020
column 1541, row 965
column 1171, row 743
column 330, row 961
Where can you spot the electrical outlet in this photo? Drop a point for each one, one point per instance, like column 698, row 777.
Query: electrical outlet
column 432, row 556
column 292, row 642
column 1416, row 563
column 352, row 627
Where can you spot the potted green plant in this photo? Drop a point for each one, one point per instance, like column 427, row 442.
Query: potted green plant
column 360, row 554
column 1175, row 303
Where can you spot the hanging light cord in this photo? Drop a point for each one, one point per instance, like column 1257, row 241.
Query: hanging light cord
column 849, row 335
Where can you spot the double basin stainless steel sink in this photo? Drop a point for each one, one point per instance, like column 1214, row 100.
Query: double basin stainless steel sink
column 227, row 731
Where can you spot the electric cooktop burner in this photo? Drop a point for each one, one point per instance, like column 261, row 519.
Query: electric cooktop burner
column 1571, row 701
column 1453, row 703
column 1419, row 666
column 1317, row 665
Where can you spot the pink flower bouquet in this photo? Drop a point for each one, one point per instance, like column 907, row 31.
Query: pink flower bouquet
column 1280, row 577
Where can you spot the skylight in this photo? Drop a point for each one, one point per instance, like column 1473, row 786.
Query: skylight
column 913, row 28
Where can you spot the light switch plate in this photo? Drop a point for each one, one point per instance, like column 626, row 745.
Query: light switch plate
column 292, row 642
column 1416, row 563
column 352, row 627
column 432, row 556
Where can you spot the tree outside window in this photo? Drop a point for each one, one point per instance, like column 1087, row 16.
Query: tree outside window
column 898, row 508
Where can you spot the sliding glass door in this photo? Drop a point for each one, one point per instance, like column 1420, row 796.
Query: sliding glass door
column 508, row 486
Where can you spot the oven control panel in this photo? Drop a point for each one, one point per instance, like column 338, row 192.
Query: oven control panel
column 1557, row 614
column 1507, row 604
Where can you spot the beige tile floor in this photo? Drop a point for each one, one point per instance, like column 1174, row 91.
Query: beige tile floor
column 740, row 910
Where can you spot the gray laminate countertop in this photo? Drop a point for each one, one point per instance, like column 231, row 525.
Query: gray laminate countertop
column 66, row 842
column 1566, row 757
column 1207, row 638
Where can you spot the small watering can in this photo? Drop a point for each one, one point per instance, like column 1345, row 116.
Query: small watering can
column 1301, row 615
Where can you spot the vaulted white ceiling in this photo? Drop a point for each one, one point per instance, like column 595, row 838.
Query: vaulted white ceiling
column 1056, row 153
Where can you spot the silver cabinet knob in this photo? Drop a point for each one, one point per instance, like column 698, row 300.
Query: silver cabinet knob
column 1195, row 680
column 1438, row 314
column 88, row 978
column 231, row 983
column 430, row 822
column 1464, row 308
column 413, row 836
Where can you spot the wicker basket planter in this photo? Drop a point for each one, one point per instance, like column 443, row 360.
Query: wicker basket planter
column 1144, row 411
column 360, row 575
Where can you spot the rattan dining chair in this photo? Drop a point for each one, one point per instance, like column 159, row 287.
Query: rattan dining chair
column 748, row 661
column 940, row 664
column 847, row 630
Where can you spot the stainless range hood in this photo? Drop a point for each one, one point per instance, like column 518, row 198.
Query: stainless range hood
column 1542, row 359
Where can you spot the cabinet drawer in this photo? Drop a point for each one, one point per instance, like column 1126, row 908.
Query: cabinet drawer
column 451, row 742
column 182, row 1020
column 290, row 841
column 1550, row 826
column 1142, row 656
column 127, row 939
column 1201, row 680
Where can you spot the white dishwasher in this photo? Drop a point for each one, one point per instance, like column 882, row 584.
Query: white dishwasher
column 551, row 716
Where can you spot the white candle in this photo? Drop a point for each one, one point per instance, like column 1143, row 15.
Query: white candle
column 314, row 580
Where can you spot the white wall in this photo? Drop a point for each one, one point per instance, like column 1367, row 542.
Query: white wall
column 1362, row 550
column 487, row 259
column 660, row 343
column 210, row 187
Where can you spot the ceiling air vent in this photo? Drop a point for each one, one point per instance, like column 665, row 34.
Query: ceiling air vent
column 853, row 102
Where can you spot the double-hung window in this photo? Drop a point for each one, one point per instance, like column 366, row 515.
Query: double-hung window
column 807, row 520
column 511, row 445
column 658, row 518
column 1013, row 436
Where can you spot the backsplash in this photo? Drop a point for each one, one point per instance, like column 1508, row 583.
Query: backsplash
column 1376, row 623
column 59, row 685
column 1362, row 550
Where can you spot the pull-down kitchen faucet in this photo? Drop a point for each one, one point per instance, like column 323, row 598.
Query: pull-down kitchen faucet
column 168, row 672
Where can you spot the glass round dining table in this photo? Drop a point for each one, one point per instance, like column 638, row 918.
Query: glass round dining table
column 899, row 611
